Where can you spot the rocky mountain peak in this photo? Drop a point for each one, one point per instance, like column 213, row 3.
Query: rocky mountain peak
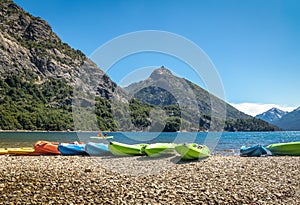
column 276, row 110
column 271, row 115
column 197, row 108
column 160, row 72
column 20, row 24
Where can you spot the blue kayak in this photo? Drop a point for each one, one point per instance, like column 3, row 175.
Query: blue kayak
column 254, row 151
column 72, row 149
column 97, row 149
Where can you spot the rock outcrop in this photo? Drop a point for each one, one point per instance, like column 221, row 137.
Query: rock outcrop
column 28, row 45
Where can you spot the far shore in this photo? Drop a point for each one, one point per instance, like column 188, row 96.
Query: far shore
column 50, row 131
column 182, row 131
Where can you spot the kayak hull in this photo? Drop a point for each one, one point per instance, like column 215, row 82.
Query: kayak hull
column 290, row 148
column 253, row 151
column 21, row 151
column 71, row 149
column 45, row 147
column 191, row 151
column 3, row 151
column 97, row 149
column 158, row 149
column 102, row 138
column 121, row 149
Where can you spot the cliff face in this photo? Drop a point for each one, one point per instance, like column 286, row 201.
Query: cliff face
column 29, row 43
column 29, row 46
column 39, row 73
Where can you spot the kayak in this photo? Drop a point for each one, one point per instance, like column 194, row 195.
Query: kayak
column 45, row 147
column 121, row 149
column 3, row 151
column 102, row 138
column 158, row 149
column 21, row 151
column 71, row 149
column 253, row 151
column 289, row 148
column 192, row 151
column 97, row 149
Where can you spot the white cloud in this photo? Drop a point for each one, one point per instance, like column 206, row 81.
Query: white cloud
column 254, row 109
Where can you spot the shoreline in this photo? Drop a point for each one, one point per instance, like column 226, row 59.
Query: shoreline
column 80, row 131
column 48, row 131
column 137, row 180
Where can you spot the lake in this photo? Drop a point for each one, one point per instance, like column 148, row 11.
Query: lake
column 225, row 143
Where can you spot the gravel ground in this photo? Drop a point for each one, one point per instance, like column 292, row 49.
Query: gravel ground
column 144, row 180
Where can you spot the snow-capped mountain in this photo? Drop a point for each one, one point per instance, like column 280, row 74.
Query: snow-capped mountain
column 290, row 121
column 272, row 115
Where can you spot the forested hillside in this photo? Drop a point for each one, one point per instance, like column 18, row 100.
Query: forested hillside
column 38, row 75
column 186, row 106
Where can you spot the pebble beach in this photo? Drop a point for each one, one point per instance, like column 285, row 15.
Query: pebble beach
column 144, row 180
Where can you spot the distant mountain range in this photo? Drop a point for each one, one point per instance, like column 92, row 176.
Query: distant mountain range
column 39, row 75
column 285, row 120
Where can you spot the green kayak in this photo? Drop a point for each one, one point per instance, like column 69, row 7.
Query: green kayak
column 121, row 149
column 158, row 149
column 290, row 148
column 192, row 151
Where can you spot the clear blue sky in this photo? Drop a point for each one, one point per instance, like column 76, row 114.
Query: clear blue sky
column 254, row 44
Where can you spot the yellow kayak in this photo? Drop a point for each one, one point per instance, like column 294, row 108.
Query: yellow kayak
column 3, row 151
column 21, row 151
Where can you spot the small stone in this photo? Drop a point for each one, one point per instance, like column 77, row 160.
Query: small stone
column 87, row 170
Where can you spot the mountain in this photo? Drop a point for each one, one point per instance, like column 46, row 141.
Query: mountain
column 271, row 115
column 30, row 47
column 38, row 74
column 290, row 121
column 47, row 85
column 285, row 120
column 195, row 107
column 163, row 88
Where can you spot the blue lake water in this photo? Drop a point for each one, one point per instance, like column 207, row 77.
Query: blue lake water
column 226, row 143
